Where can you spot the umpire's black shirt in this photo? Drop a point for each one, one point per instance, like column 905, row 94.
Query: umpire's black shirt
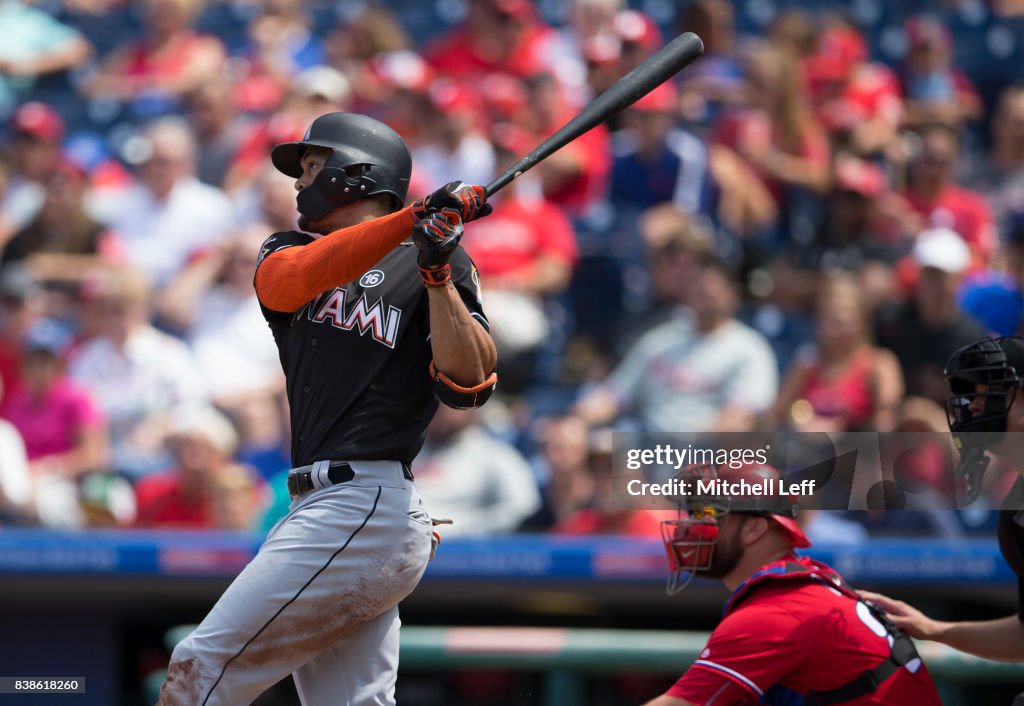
column 356, row 359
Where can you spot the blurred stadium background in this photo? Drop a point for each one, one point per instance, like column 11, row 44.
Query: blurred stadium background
column 808, row 220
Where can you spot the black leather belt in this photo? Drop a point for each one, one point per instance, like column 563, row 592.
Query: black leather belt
column 323, row 474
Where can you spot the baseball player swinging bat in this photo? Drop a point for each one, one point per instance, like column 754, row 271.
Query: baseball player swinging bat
column 658, row 68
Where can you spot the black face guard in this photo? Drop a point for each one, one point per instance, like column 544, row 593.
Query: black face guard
column 977, row 419
column 335, row 187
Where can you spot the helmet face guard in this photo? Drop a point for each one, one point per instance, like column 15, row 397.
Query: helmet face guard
column 689, row 544
column 983, row 385
column 691, row 538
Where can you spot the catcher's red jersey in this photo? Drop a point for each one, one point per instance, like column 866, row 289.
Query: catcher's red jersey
column 801, row 635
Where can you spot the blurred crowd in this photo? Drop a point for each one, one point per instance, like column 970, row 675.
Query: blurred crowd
column 795, row 233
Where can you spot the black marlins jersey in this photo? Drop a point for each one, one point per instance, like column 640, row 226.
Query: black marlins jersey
column 356, row 359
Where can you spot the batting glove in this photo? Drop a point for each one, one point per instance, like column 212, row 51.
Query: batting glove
column 436, row 236
column 470, row 201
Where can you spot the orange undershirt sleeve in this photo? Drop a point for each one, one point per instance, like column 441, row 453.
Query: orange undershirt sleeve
column 290, row 277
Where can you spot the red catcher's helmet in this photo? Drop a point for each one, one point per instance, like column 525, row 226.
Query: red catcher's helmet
column 690, row 540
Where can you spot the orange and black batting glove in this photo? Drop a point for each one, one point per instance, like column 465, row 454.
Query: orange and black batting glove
column 468, row 199
column 436, row 236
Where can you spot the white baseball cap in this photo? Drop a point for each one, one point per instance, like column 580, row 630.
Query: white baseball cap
column 942, row 249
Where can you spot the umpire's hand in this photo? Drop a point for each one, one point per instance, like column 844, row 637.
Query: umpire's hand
column 469, row 200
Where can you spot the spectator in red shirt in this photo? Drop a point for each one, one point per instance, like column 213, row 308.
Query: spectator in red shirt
column 792, row 625
column 934, row 91
column 576, row 176
column 503, row 36
column 525, row 252
column 170, row 61
column 942, row 203
column 844, row 383
column 777, row 134
column 201, row 442
column 857, row 101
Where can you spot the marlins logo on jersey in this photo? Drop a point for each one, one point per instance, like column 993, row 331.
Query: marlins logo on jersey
column 359, row 316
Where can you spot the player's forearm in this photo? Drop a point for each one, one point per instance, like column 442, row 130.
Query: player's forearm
column 1001, row 639
column 289, row 278
column 463, row 350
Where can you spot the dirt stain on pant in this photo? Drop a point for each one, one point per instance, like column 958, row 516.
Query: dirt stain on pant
column 181, row 687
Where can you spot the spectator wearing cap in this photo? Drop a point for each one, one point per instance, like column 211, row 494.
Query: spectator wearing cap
column 932, row 192
column 590, row 24
column 441, row 120
column 926, row 329
column 865, row 231
column 576, row 176
column 657, row 162
column 168, row 62
column 505, row 36
column 63, row 428
column 136, row 373
column 525, row 251
column 454, row 142
column 934, row 91
column 627, row 38
column 843, row 382
column 35, row 44
column 716, row 81
column 858, row 101
column 168, row 216
column 35, row 154
column 314, row 91
column 466, row 474
column 703, row 370
column 201, row 442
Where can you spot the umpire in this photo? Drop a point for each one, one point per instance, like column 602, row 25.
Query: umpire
column 986, row 413
column 376, row 313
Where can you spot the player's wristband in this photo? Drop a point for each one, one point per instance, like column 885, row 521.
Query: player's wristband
column 436, row 278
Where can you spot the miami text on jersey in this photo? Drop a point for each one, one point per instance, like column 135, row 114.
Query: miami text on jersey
column 330, row 307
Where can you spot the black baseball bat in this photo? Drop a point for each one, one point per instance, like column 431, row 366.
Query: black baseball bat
column 658, row 68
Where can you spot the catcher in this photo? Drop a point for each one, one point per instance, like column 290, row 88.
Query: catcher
column 792, row 627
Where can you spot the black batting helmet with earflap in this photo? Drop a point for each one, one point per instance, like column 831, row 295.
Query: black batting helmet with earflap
column 368, row 159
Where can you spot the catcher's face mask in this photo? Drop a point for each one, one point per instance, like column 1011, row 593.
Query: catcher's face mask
column 983, row 385
column 690, row 539
column 690, row 542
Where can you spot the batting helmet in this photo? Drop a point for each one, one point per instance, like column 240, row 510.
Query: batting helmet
column 368, row 159
column 710, row 494
column 983, row 378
